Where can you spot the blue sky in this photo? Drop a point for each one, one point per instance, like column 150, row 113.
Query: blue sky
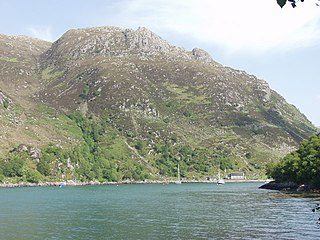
column 281, row 46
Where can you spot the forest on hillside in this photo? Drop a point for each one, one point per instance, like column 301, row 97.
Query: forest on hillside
column 105, row 154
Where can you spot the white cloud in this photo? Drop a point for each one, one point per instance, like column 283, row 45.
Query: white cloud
column 234, row 25
column 43, row 33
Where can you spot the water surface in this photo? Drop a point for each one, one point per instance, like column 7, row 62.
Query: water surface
column 155, row 211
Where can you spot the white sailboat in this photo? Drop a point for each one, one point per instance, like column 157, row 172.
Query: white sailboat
column 220, row 180
column 178, row 180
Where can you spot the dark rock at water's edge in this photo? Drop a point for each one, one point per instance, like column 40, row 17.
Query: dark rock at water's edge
column 290, row 186
column 282, row 186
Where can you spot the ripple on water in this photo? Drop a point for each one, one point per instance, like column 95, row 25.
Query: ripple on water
column 186, row 211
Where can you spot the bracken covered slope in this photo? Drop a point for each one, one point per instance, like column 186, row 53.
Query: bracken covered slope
column 149, row 91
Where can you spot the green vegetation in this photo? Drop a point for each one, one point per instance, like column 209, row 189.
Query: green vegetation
column 105, row 155
column 5, row 103
column 11, row 60
column 142, row 116
column 185, row 94
column 194, row 163
column 85, row 92
column 51, row 73
column 19, row 167
column 301, row 166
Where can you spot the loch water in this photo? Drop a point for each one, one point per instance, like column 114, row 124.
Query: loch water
column 156, row 211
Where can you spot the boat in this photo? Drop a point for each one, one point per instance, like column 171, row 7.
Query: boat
column 220, row 180
column 178, row 181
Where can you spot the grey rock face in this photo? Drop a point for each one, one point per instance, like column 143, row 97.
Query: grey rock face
column 201, row 55
column 22, row 148
column 34, row 152
column 145, row 40
column 113, row 41
column 265, row 90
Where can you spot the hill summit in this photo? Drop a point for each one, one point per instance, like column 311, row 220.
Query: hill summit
column 117, row 42
column 135, row 101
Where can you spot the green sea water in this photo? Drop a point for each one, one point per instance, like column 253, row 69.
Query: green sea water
column 155, row 211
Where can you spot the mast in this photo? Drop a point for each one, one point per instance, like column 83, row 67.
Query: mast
column 178, row 180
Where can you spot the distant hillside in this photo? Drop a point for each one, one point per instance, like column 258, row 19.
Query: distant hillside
column 137, row 102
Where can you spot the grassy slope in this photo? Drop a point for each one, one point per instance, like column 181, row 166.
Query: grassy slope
column 154, row 101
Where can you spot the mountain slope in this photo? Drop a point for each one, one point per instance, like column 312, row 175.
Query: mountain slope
column 22, row 120
column 150, row 93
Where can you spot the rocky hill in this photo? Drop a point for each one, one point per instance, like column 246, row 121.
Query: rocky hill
column 146, row 96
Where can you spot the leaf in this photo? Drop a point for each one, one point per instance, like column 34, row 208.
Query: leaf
column 281, row 3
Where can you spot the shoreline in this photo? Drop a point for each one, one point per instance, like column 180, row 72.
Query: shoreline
column 290, row 187
column 71, row 183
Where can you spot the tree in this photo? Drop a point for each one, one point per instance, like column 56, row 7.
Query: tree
column 301, row 166
column 282, row 3
column 85, row 92
column 13, row 165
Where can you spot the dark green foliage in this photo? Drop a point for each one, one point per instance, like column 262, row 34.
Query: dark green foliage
column 1, row 176
column 5, row 104
column 301, row 166
column 281, row 3
column 187, row 114
column 103, row 153
column 44, row 167
column 130, row 134
column 293, row 3
column 139, row 145
column 97, row 159
column 52, row 161
column 85, row 92
column 19, row 165
column 225, row 161
column 191, row 161
column 33, row 176
column 12, row 166
column 171, row 105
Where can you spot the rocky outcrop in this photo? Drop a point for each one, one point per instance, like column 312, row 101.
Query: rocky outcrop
column 201, row 55
column 117, row 42
column 290, row 187
column 263, row 91
column 144, row 40
column 282, row 186
column 2, row 98
column 34, row 152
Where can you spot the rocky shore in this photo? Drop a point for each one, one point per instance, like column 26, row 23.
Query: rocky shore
column 290, row 187
column 76, row 183
column 79, row 183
